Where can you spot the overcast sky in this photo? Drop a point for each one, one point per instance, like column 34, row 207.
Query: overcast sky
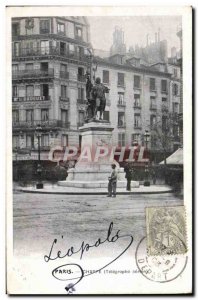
column 135, row 29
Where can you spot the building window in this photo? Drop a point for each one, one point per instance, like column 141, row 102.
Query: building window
column 16, row 49
column 175, row 89
column 14, row 91
column 29, row 90
column 15, row 141
column 106, row 116
column 175, row 108
column 153, row 104
column 137, row 121
column 29, row 115
column 152, row 84
column 30, row 141
column 15, row 69
column 63, row 69
column 44, row 114
column 63, row 91
column 15, row 115
column 121, row 139
column 64, row 116
column 121, row 79
column 44, row 26
column 78, row 32
column 121, row 119
column 81, row 93
column 153, row 120
column 45, row 91
column 164, row 100
column 61, row 28
column 44, row 66
column 64, row 140
column 44, row 140
column 164, row 86
column 175, row 130
column 105, row 76
column 71, row 49
column 136, row 81
column 120, row 98
column 44, row 47
column 135, row 138
column 164, row 123
column 136, row 100
column 15, row 29
column 175, row 72
column 29, row 67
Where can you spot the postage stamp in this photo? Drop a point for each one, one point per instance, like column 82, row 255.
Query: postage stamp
column 166, row 230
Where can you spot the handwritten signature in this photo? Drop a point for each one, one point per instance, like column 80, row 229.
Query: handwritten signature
column 66, row 271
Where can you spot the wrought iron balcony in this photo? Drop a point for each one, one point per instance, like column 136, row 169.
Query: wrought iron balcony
column 121, row 103
column 23, row 74
column 137, row 105
column 65, row 99
column 153, row 106
column 31, row 98
column 49, row 51
column 81, row 101
column 45, row 124
column 64, row 75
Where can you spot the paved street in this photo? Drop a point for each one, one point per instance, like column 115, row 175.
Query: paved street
column 38, row 219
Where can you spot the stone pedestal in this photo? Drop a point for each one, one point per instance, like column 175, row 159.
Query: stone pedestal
column 94, row 164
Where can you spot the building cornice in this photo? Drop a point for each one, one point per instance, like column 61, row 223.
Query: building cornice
column 140, row 70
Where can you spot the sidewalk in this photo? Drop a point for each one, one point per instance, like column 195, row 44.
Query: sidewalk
column 55, row 189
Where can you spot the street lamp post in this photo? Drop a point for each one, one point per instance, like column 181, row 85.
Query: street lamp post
column 146, row 139
column 39, row 184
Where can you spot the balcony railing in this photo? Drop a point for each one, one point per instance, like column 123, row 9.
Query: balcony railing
column 32, row 73
column 121, row 124
column 81, row 78
column 137, row 105
column 65, row 99
column 50, row 50
column 64, row 75
column 121, row 103
column 31, row 98
column 43, row 123
column 81, row 101
column 153, row 107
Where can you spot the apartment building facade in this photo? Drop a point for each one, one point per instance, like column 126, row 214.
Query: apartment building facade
column 141, row 98
column 50, row 57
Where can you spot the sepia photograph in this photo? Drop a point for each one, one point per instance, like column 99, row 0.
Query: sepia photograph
column 100, row 149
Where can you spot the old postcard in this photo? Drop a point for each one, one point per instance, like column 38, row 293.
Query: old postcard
column 99, row 152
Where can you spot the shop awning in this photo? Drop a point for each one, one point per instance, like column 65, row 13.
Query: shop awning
column 174, row 159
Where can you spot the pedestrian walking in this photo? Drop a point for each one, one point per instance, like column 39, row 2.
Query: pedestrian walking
column 112, row 182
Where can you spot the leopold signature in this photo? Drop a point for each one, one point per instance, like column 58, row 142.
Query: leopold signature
column 67, row 271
